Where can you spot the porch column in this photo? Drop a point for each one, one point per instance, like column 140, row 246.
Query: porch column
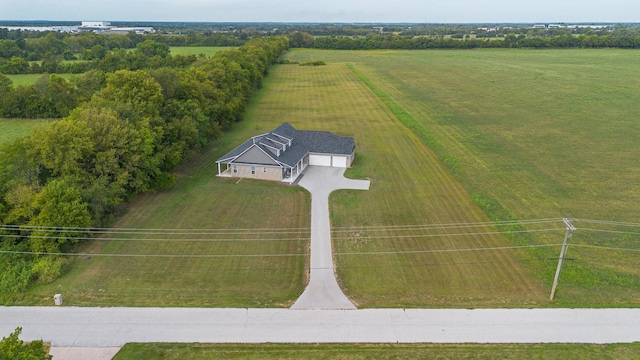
column 218, row 169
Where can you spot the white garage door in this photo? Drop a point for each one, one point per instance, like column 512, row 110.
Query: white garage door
column 340, row 161
column 320, row 160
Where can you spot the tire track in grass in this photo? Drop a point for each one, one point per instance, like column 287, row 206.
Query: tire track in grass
column 441, row 200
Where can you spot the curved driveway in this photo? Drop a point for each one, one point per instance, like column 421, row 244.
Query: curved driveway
column 323, row 291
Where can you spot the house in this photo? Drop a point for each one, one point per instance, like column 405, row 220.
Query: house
column 284, row 153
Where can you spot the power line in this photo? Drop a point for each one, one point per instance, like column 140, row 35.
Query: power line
column 422, row 264
column 150, row 231
column 277, row 239
column 605, row 247
column 445, row 235
column 268, row 255
column 195, row 231
column 606, row 222
column 610, row 231
column 158, row 239
column 148, row 255
column 445, row 226
column 214, row 231
column 446, row 250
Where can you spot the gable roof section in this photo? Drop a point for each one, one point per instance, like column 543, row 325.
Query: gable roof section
column 287, row 146
column 256, row 155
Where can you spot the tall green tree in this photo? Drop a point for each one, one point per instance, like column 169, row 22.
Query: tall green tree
column 58, row 208
column 63, row 148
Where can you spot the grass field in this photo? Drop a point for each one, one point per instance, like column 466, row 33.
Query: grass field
column 197, row 50
column 530, row 135
column 378, row 351
column 500, row 121
column 218, row 267
column 30, row 79
column 408, row 186
column 11, row 129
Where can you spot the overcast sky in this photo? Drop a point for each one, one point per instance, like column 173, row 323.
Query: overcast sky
column 430, row 11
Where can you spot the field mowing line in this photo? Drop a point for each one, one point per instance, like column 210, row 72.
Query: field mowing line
column 409, row 186
column 532, row 134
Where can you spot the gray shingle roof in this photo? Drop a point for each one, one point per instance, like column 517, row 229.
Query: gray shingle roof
column 302, row 142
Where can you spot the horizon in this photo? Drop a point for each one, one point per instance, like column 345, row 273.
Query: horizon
column 329, row 11
column 323, row 22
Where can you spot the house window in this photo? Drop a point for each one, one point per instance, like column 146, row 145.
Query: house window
column 265, row 169
column 253, row 170
column 235, row 169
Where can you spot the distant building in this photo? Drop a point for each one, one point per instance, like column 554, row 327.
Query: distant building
column 95, row 26
column 126, row 30
column 105, row 27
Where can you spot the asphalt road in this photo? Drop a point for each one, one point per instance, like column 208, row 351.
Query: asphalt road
column 113, row 327
column 323, row 291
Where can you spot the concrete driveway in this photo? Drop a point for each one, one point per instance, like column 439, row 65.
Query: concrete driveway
column 323, row 292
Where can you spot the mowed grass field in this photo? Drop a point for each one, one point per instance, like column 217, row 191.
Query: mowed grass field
column 377, row 351
column 385, row 268
column 246, row 244
column 30, row 79
column 532, row 135
column 388, row 251
column 11, row 129
column 197, row 50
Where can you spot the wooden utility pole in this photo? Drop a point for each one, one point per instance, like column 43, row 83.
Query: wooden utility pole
column 563, row 252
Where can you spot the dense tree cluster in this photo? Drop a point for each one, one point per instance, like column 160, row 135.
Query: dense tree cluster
column 375, row 41
column 124, row 139
column 147, row 54
column 45, row 52
column 54, row 97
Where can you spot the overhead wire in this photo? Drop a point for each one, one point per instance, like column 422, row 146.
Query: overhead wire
column 607, row 222
column 610, row 231
column 268, row 230
column 269, row 255
column 447, row 235
column 605, row 247
column 158, row 239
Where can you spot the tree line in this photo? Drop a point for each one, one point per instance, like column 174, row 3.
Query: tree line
column 52, row 96
column 373, row 41
column 133, row 129
column 47, row 54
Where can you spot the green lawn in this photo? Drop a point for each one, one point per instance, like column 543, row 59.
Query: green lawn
column 30, row 79
column 409, row 186
column 446, row 137
column 378, row 351
column 11, row 129
column 219, row 268
column 197, row 50
column 530, row 135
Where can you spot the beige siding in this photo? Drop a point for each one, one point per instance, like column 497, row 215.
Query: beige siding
column 261, row 172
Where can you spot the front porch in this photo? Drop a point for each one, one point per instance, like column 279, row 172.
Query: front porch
column 287, row 174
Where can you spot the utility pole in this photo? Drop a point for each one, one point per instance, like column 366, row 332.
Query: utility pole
column 563, row 252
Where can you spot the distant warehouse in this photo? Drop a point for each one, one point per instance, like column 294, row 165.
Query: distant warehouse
column 105, row 27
